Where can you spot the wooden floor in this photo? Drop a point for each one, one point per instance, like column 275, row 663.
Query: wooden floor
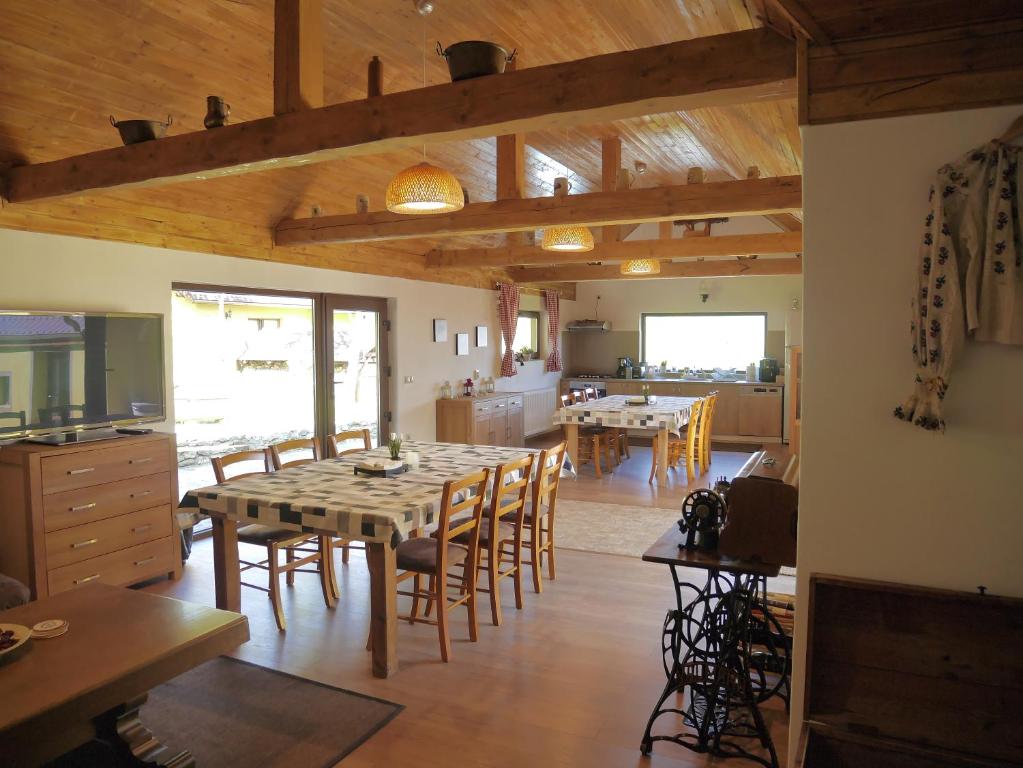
column 567, row 681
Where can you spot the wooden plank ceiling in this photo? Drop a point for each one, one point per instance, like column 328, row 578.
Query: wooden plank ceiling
column 68, row 65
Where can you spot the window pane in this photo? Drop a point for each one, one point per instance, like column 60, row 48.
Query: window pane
column 356, row 372
column 704, row 341
column 525, row 334
column 244, row 376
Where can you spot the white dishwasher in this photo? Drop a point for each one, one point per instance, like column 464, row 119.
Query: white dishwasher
column 760, row 411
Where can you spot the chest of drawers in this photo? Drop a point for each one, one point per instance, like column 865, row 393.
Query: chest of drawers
column 97, row 511
column 491, row 419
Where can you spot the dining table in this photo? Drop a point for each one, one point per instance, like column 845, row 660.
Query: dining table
column 664, row 415
column 328, row 497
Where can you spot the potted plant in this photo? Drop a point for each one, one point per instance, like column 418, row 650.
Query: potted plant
column 646, row 392
column 394, row 446
column 524, row 354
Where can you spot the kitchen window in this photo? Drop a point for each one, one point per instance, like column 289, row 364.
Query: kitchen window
column 704, row 341
column 527, row 332
column 5, row 390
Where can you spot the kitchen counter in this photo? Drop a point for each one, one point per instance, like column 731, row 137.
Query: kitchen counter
column 673, row 380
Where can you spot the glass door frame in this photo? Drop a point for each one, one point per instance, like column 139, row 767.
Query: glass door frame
column 323, row 306
column 326, row 306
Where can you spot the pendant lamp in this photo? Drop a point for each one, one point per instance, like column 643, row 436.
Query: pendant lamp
column 569, row 238
column 641, row 267
column 424, row 188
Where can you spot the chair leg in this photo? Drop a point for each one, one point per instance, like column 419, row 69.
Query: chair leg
column 289, row 557
column 596, row 455
column 345, row 553
column 417, row 586
column 275, row 587
column 431, row 587
column 549, row 544
column 469, row 580
column 653, row 460
column 517, row 565
column 442, row 617
column 625, row 444
column 535, row 554
column 494, row 584
column 325, row 567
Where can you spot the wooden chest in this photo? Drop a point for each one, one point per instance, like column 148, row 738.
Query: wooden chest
column 907, row 677
column 97, row 511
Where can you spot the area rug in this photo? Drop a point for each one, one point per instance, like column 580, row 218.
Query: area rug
column 231, row 713
column 614, row 529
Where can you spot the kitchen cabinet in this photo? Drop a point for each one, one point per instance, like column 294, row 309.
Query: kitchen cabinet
column 760, row 411
column 493, row 419
column 623, row 388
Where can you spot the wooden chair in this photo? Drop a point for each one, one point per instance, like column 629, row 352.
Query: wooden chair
column 500, row 533
column 274, row 539
column 706, row 427
column 433, row 556
column 538, row 522
column 596, row 441
column 291, row 446
column 335, row 441
column 688, row 446
column 333, row 451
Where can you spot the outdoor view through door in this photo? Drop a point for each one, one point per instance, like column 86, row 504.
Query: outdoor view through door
column 252, row 369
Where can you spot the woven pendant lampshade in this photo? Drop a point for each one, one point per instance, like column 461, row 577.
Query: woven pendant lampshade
column 641, row 267
column 424, row 188
column 573, row 239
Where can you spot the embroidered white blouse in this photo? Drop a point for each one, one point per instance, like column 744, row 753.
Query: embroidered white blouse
column 969, row 278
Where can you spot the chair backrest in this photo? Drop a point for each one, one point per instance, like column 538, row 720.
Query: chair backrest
column 590, row 394
column 334, row 442
column 220, row 463
column 566, row 400
column 578, row 397
column 470, row 492
column 547, row 478
column 695, row 420
column 288, row 446
column 508, row 500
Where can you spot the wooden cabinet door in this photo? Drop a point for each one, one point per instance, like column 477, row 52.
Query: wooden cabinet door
column 726, row 415
column 483, row 427
column 619, row 388
column 760, row 411
column 516, row 422
column 499, row 424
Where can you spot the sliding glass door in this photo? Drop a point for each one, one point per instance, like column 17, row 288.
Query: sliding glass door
column 356, row 396
column 256, row 367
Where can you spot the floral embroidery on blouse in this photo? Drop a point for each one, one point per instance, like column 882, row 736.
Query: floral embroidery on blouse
column 969, row 274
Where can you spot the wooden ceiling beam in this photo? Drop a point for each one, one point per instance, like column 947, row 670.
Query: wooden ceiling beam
column 718, row 268
column 610, row 164
column 739, row 67
column 747, row 197
column 298, row 55
column 693, row 247
column 802, row 20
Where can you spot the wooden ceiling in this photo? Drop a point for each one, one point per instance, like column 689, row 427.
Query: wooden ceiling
column 69, row 64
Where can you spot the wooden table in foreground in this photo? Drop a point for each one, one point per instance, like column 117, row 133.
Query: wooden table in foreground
column 705, row 643
column 666, row 415
column 326, row 497
column 93, row 680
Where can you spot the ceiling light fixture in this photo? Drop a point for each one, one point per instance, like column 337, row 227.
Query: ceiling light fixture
column 570, row 238
column 424, row 188
column 641, row 267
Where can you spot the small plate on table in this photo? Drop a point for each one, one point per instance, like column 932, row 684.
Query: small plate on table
column 15, row 640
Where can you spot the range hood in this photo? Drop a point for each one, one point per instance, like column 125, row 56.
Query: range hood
column 597, row 326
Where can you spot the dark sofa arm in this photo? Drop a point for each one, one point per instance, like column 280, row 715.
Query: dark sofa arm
column 12, row 593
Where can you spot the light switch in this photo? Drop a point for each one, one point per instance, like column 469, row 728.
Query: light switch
column 409, row 379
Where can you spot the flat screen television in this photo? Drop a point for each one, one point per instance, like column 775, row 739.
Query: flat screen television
column 65, row 372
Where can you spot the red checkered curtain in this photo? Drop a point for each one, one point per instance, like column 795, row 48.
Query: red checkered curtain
column 552, row 300
column 508, row 314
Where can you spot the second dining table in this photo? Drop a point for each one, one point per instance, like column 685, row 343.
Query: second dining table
column 327, row 497
column 665, row 415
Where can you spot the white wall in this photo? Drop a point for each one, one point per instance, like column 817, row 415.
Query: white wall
column 880, row 498
column 39, row 271
column 623, row 301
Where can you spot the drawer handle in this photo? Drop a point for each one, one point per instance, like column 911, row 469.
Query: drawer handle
column 140, row 461
column 500, row 405
column 86, row 543
column 141, row 528
column 82, row 471
column 87, row 578
column 140, row 495
column 145, row 560
column 83, row 507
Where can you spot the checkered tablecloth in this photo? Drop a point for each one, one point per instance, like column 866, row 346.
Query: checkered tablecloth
column 671, row 413
column 327, row 496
